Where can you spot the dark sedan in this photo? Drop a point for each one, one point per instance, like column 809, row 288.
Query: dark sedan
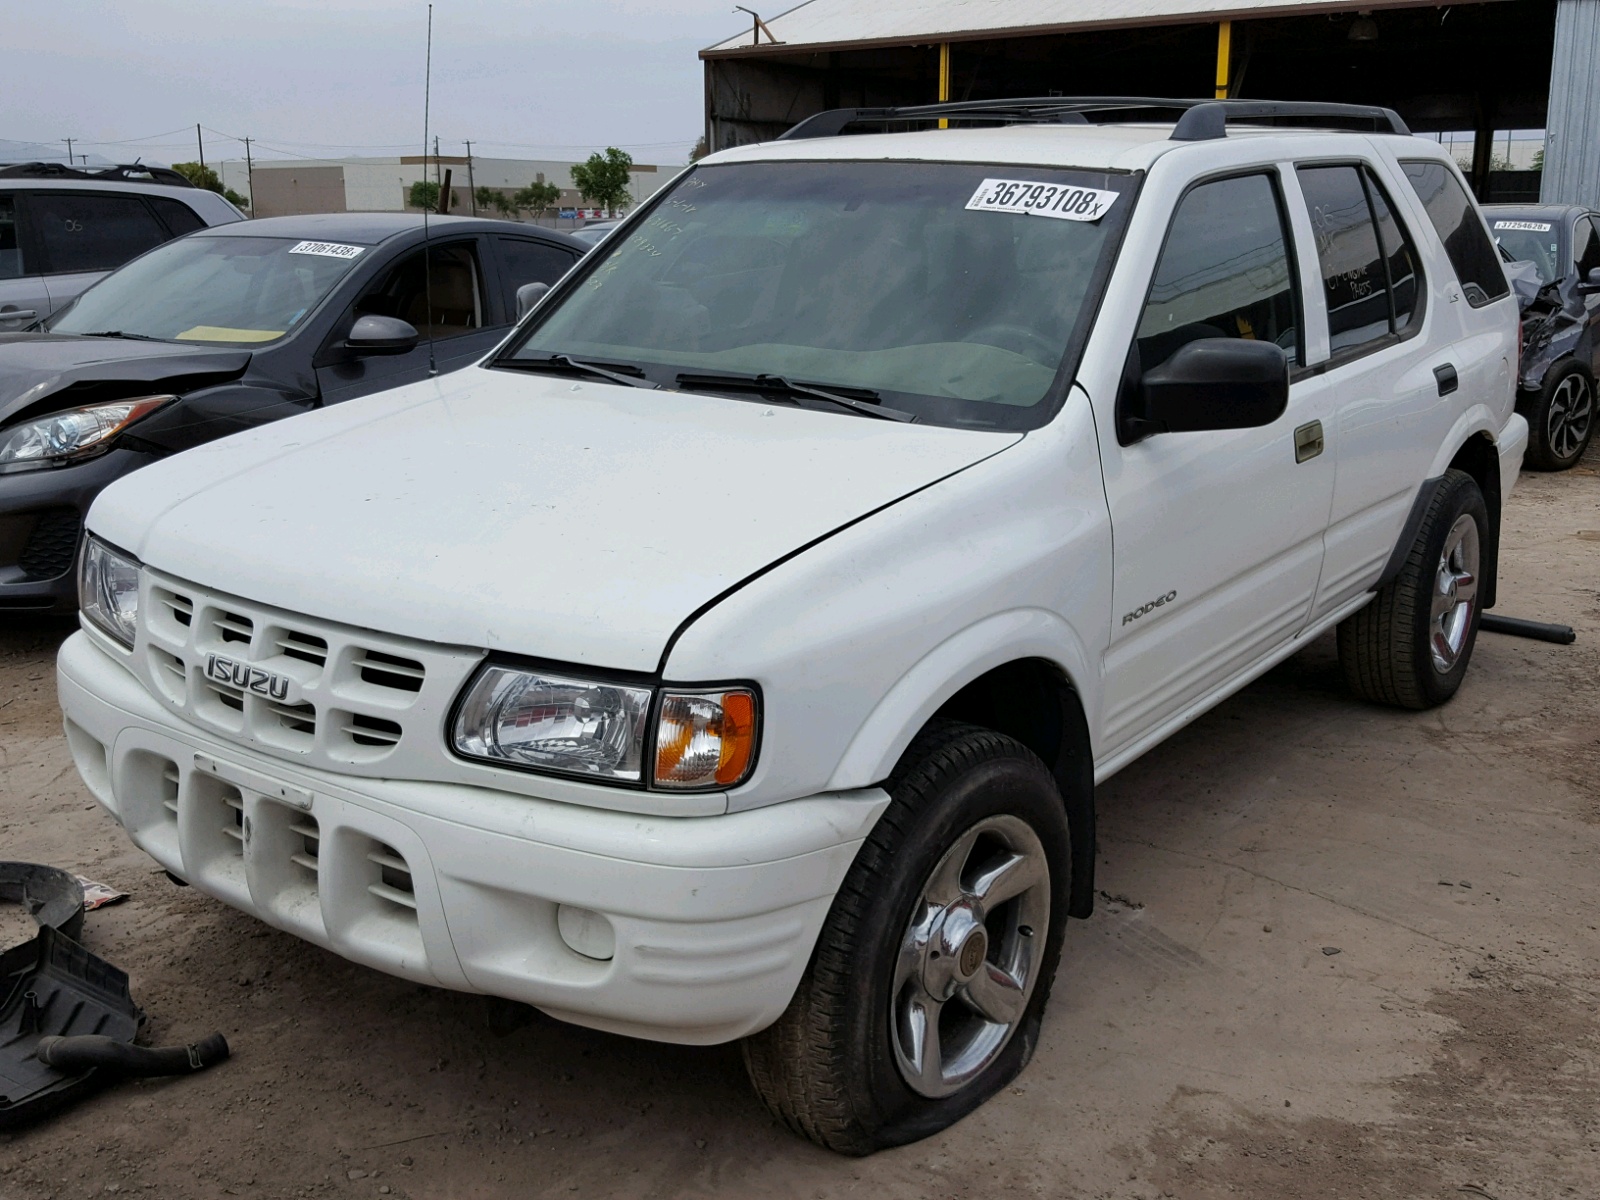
column 230, row 328
column 1560, row 329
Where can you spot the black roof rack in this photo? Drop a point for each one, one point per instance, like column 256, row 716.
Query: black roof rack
column 1197, row 120
column 117, row 173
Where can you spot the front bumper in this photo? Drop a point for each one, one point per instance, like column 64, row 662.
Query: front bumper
column 712, row 918
column 41, row 523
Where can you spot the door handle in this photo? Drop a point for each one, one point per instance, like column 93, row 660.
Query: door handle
column 17, row 314
column 1308, row 441
column 1448, row 380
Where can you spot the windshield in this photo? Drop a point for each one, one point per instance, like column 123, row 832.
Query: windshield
column 951, row 291
column 224, row 290
column 1529, row 238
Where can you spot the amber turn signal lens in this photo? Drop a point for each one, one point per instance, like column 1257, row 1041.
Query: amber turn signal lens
column 705, row 739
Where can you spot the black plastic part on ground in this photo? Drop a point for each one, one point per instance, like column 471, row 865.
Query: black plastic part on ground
column 52, row 897
column 1561, row 635
column 52, row 986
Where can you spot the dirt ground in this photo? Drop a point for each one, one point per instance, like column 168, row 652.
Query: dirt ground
column 1341, row 952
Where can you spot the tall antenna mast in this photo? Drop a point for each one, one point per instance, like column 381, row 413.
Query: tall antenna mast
column 427, row 261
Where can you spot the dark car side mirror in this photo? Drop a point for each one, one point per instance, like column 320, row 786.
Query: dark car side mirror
column 528, row 295
column 1590, row 282
column 1213, row 383
column 374, row 334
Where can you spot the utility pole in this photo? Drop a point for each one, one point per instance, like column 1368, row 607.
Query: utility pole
column 200, row 144
column 68, row 141
column 472, row 191
column 250, row 176
column 436, row 176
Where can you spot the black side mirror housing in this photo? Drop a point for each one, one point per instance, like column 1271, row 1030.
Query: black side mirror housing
column 1590, row 282
column 1213, row 383
column 374, row 334
column 528, row 295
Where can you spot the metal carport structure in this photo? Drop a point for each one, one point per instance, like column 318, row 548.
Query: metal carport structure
column 1480, row 66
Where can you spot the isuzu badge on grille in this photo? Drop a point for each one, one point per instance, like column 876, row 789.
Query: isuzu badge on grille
column 248, row 678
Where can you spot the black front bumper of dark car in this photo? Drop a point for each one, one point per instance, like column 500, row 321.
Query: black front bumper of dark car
column 41, row 524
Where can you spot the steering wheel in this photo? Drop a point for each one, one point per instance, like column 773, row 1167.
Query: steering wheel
column 1019, row 339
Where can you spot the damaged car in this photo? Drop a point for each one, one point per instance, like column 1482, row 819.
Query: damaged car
column 1560, row 348
column 228, row 329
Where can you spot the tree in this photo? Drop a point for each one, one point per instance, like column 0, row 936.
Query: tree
column 205, row 177
column 537, row 198
column 424, row 193
column 700, row 150
column 488, row 198
column 603, row 180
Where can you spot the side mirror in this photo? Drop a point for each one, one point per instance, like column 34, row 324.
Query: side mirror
column 528, row 295
column 1214, row 383
column 1590, row 281
column 373, row 334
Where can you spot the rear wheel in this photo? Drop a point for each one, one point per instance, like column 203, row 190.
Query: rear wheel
column 1562, row 420
column 924, row 994
column 1410, row 647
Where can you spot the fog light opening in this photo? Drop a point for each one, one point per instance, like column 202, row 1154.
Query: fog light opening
column 586, row 932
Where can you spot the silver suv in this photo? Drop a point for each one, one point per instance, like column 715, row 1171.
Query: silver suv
column 61, row 229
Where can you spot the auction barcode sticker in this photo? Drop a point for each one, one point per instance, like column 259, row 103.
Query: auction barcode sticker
column 1064, row 202
column 1524, row 226
column 327, row 249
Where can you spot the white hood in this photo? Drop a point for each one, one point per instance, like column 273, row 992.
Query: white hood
column 578, row 522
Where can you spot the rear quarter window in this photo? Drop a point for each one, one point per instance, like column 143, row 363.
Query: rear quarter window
column 1455, row 218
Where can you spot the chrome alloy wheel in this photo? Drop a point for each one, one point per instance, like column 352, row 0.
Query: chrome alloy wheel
column 1570, row 414
column 970, row 956
column 1455, row 594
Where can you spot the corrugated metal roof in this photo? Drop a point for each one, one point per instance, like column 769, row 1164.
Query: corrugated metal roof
column 823, row 24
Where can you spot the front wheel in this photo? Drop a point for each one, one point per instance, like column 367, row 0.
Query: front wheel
column 1562, row 420
column 925, row 991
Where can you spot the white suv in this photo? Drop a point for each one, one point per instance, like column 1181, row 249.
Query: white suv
column 734, row 653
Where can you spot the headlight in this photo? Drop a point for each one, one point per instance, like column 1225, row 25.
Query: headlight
column 108, row 590
column 705, row 739
column 560, row 723
column 75, row 433
column 554, row 723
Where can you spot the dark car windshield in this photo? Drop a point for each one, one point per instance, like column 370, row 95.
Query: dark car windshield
column 1529, row 237
column 952, row 291
column 227, row 290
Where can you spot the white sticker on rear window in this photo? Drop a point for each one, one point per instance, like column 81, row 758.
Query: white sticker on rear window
column 1064, row 202
column 327, row 249
column 1527, row 226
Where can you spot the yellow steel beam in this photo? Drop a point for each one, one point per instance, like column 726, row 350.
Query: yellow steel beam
column 1224, row 52
column 944, row 78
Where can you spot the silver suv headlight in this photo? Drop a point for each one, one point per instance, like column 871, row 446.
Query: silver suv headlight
column 550, row 721
column 75, row 433
column 108, row 590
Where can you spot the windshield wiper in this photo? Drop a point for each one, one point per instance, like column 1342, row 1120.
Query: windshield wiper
column 566, row 364
column 692, row 381
column 118, row 333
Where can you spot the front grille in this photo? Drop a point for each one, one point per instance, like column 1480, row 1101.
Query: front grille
column 352, row 693
column 53, row 544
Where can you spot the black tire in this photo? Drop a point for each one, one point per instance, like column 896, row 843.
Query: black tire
column 1561, row 418
column 828, row 1067
column 1387, row 649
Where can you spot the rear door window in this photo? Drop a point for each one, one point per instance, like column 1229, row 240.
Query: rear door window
column 11, row 266
column 1224, row 272
column 1586, row 246
column 92, row 231
column 1399, row 256
column 1455, row 218
column 1355, row 280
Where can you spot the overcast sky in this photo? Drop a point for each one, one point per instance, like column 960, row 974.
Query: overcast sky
column 535, row 79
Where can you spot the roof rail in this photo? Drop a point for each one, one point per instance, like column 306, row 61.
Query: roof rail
column 1198, row 120
column 119, row 173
